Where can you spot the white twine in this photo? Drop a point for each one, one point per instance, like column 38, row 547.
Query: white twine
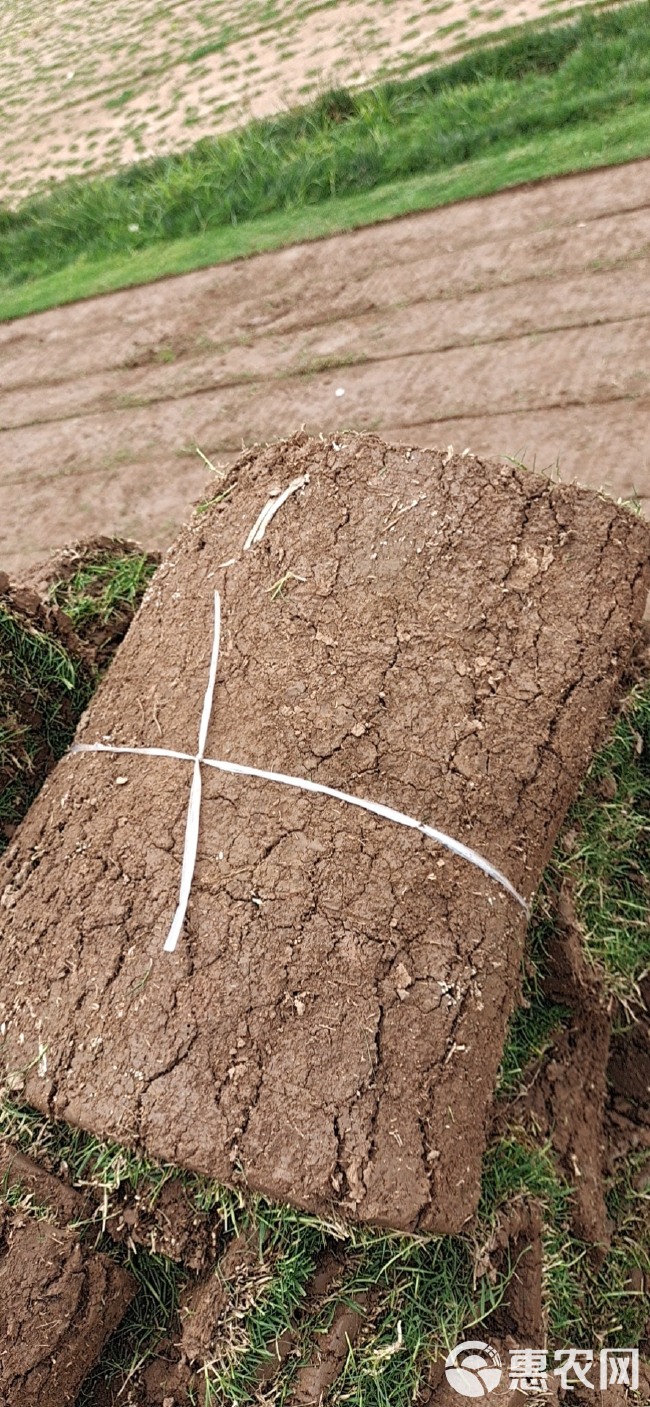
column 270, row 509
column 239, row 769
column 194, row 808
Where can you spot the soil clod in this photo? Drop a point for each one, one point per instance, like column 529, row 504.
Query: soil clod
column 58, row 1305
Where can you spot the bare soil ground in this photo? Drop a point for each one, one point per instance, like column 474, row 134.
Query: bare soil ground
column 515, row 325
column 90, row 88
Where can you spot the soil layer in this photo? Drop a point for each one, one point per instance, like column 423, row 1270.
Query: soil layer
column 58, row 1306
column 515, row 325
column 431, row 631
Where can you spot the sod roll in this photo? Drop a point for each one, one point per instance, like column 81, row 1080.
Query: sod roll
column 58, row 630
column 435, row 633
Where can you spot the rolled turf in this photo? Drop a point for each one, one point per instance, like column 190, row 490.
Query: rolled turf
column 436, row 633
column 58, row 631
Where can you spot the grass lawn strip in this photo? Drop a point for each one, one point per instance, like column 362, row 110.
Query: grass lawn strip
column 102, row 586
column 44, row 689
column 561, row 99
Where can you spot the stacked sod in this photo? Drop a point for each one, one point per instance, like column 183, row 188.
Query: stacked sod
column 274, row 1316
column 57, row 633
column 437, row 633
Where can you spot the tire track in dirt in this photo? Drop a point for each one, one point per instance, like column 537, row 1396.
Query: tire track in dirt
column 443, row 375
column 515, row 325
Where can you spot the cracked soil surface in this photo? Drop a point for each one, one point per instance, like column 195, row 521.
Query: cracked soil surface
column 435, row 632
column 59, row 1303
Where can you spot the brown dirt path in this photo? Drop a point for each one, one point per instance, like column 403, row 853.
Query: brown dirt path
column 516, row 325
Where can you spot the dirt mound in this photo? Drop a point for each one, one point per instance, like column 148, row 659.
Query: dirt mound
column 168, row 1224
column 58, row 1305
column 34, row 1182
column 313, row 1380
column 566, row 1097
column 432, row 632
column 628, row 1112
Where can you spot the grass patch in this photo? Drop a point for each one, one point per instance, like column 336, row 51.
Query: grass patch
column 589, row 1301
column 592, row 1304
column 420, row 1295
column 530, row 1033
column 44, row 686
column 150, row 1315
column 227, row 35
column 614, row 1303
column 606, row 854
column 87, row 1160
column 262, row 1304
column 22, row 1200
column 43, row 692
column 543, row 102
column 594, row 145
column 426, row 1286
column 102, row 587
column 121, row 100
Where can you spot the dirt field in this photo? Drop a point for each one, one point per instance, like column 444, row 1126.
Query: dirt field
column 92, row 87
column 516, row 325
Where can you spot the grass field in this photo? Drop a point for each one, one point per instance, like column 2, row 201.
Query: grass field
column 91, row 88
column 547, row 101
